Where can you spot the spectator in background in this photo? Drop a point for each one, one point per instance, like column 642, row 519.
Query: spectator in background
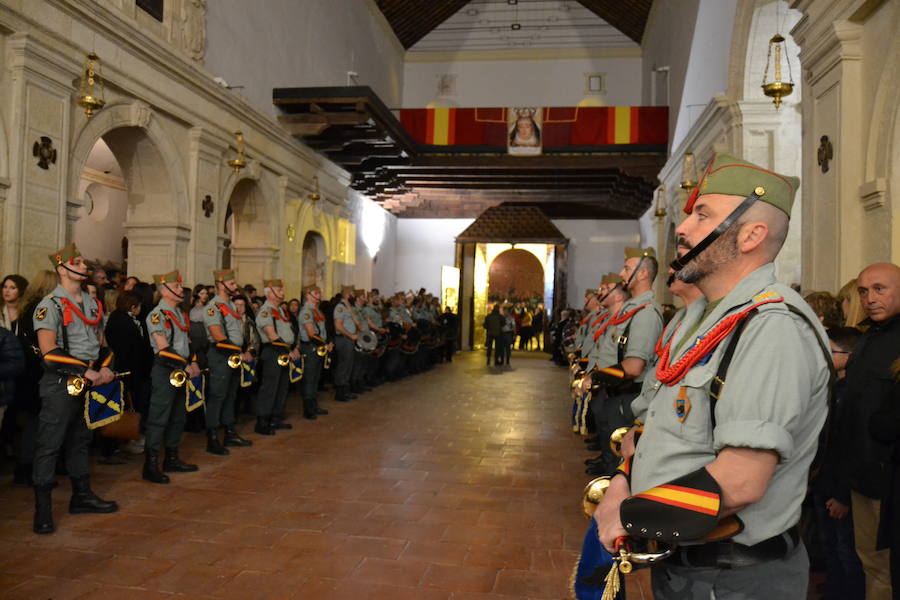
column 98, row 277
column 13, row 290
column 885, row 427
column 110, row 298
column 525, row 331
column 130, row 283
column 537, row 326
column 845, row 579
column 869, row 387
column 493, row 328
column 199, row 298
column 826, row 307
column 508, row 335
column 12, row 362
column 27, row 403
column 851, row 307
column 127, row 336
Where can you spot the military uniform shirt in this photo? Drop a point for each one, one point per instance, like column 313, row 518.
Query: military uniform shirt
column 374, row 315
column 394, row 316
column 213, row 315
column 643, row 333
column 84, row 340
column 308, row 314
column 282, row 326
column 158, row 322
column 774, row 398
column 639, row 404
column 359, row 313
column 588, row 343
column 342, row 311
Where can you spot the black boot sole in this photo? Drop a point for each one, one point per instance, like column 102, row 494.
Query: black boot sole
column 163, row 479
column 83, row 510
column 218, row 451
column 181, row 469
column 44, row 529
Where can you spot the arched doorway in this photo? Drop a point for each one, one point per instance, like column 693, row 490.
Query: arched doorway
column 99, row 225
column 249, row 246
column 516, row 276
column 313, row 260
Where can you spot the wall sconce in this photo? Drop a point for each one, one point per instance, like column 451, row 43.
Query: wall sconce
column 90, row 88
column 315, row 196
column 291, row 232
column 238, row 162
column 660, row 202
column 688, row 172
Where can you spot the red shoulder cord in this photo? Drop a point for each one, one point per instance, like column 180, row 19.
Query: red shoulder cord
column 318, row 314
column 600, row 319
column 672, row 374
column 227, row 311
column 276, row 314
column 659, row 343
column 171, row 319
column 618, row 320
column 70, row 307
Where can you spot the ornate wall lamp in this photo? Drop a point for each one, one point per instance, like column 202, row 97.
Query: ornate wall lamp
column 688, row 173
column 777, row 89
column 90, row 88
column 238, row 162
column 660, row 211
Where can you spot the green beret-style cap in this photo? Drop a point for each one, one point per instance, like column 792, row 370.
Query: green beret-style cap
column 728, row 174
column 64, row 255
column 170, row 277
column 639, row 252
column 590, row 292
column 270, row 283
column 223, row 275
column 610, row 278
column 347, row 289
column 310, row 289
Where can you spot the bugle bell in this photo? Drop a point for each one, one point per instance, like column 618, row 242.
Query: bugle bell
column 615, row 440
column 593, row 494
column 322, row 351
column 234, row 361
column 283, row 360
column 177, row 378
column 75, row 385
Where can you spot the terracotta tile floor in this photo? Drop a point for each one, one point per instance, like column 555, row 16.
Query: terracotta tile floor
column 461, row 483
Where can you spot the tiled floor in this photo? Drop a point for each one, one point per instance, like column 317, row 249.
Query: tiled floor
column 462, row 483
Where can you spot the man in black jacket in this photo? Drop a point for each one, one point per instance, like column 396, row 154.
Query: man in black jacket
column 869, row 384
column 12, row 362
column 493, row 326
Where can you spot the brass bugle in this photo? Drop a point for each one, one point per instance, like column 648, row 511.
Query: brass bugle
column 177, row 378
column 76, row 384
column 234, row 361
column 615, row 440
column 322, row 350
column 283, row 360
column 593, row 494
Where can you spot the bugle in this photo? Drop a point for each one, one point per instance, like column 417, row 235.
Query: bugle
column 177, row 378
column 76, row 384
column 283, row 360
column 234, row 361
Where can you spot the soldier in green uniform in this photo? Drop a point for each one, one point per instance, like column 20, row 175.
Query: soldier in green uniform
column 278, row 340
column 375, row 321
column 169, row 328
column 345, row 329
column 224, row 328
column 361, row 360
column 313, row 336
column 69, row 328
column 733, row 419
column 626, row 348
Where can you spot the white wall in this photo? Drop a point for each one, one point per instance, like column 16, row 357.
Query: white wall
column 99, row 235
column 423, row 247
column 548, row 82
column 302, row 44
column 595, row 248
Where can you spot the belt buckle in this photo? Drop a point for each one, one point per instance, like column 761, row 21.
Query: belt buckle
column 623, row 339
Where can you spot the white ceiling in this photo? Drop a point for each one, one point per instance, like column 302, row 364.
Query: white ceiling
column 102, row 159
column 487, row 25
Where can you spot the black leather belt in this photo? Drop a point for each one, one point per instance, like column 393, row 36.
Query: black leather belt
column 730, row 555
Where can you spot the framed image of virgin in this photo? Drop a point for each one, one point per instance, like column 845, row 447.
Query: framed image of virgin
column 524, row 129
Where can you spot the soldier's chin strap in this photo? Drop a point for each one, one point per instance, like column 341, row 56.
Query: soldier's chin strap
column 680, row 263
column 174, row 293
column 70, row 270
column 633, row 273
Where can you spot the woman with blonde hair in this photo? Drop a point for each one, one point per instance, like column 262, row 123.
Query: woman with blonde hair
column 851, row 306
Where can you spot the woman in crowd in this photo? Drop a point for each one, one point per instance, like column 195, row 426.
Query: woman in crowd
column 851, row 307
column 13, row 288
column 508, row 335
column 199, row 298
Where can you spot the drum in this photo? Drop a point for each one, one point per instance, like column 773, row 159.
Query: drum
column 568, row 346
column 366, row 342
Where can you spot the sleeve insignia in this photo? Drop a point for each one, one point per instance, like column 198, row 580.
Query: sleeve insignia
column 211, row 311
column 306, row 317
column 41, row 313
column 154, row 318
column 264, row 314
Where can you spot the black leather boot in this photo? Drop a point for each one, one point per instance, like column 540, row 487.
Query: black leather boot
column 278, row 423
column 212, row 443
column 233, row 439
column 263, row 427
column 151, row 468
column 43, row 510
column 340, row 394
column 86, row 501
column 174, row 464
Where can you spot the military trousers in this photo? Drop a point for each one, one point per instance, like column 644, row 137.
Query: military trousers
column 61, row 428
column 273, row 387
column 312, row 373
column 222, row 391
column 345, row 354
column 784, row 579
column 360, row 366
column 167, row 413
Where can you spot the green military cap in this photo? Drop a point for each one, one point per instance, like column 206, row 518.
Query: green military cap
column 170, row 277
column 632, row 252
column 223, row 275
column 347, row 289
column 64, row 255
column 309, row 289
column 270, row 283
column 611, row 278
column 589, row 292
column 727, row 174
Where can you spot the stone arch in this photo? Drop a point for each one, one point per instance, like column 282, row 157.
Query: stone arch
column 311, row 219
column 159, row 211
column 510, row 271
column 314, row 259
column 254, row 239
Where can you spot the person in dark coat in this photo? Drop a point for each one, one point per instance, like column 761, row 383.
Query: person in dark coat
column 127, row 336
column 12, row 362
column 884, row 425
column 493, row 326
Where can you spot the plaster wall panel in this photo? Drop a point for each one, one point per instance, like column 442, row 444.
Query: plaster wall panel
column 423, row 247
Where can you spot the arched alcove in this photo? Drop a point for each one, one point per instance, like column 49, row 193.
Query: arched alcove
column 249, row 229
column 515, row 275
column 312, row 268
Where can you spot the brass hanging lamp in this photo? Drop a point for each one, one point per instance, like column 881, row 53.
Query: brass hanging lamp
column 660, row 202
column 776, row 88
column 238, row 162
column 90, row 88
column 688, row 172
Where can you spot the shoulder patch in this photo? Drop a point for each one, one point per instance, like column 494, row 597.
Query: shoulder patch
column 211, row 311
column 306, row 316
column 41, row 313
column 765, row 296
column 264, row 314
column 154, row 318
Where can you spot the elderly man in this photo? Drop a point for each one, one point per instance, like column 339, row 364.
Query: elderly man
column 277, row 335
column 733, row 419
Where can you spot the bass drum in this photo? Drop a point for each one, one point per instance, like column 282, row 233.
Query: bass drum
column 366, row 342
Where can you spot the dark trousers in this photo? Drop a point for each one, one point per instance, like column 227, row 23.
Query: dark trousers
column 844, row 576
column 273, row 385
column 223, row 387
column 489, row 343
column 344, row 356
column 61, row 427
column 166, row 413
column 312, row 372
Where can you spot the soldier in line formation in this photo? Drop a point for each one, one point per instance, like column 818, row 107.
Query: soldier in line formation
column 369, row 347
